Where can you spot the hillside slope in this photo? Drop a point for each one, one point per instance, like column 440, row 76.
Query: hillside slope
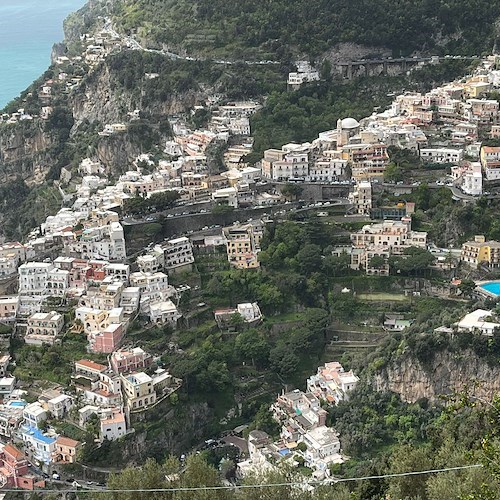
column 278, row 28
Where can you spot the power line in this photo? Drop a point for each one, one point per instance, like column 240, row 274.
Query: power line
column 327, row 482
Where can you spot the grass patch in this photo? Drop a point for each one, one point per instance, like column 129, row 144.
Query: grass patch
column 382, row 296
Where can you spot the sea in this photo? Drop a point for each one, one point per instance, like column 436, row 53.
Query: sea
column 28, row 29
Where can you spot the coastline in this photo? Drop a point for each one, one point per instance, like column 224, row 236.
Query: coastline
column 24, row 58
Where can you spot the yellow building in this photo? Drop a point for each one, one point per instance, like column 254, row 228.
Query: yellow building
column 139, row 391
column 243, row 245
column 479, row 251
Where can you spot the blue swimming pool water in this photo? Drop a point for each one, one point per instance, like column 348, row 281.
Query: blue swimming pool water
column 492, row 287
column 17, row 403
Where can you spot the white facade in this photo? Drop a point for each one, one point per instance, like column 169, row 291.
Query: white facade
column 178, row 253
column 323, row 447
column 441, row 155
column 34, row 414
column 60, row 405
column 473, row 182
column 164, row 312
column 154, row 288
column 250, row 312
column 33, row 278
column 153, row 261
column 477, row 321
column 130, row 299
column 57, row 282
column 113, row 425
column 8, row 265
column 43, row 328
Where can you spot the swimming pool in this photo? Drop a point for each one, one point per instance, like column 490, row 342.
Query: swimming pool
column 16, row 403
column 493, row 287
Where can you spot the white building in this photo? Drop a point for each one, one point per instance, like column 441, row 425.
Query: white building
column 113, row 425
column 130, row 299
column 34, row 414
column 57, row 282
column 441, row 155
column 8, row 265
column 477, row 321
column 153, row 261
column 472, row 182
column 250, row 312
column 178, row 254
column 290, row 162
column 164, row 312
column 323, row 447
column 226, row 196
column 7, row 385
column 100, row 243
column 43, row 328
column 60, row 405
column 154, row 288
column 33, row 278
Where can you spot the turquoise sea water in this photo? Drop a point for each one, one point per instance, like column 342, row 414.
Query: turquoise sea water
column 28, row 29
column 492, row 287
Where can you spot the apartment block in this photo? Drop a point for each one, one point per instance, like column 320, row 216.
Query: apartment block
column 43, row 328
column 138, row 390
column 481, row 252
column 490, row 161
column 178, row 254
column 130, row 360
column 441, row 155
column 243, row 245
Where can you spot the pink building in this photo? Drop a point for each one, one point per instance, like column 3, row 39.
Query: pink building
column 108, row 340
column 130, row 360
column 14, row 471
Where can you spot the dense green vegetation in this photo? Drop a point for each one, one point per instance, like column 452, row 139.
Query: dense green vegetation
column 238, row 81
column 276, row 28
column 155, row 203
column 466, row 433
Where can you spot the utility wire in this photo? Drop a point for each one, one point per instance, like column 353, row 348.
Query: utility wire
column 252, row 486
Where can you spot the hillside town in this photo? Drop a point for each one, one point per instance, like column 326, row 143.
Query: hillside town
column 74, row 274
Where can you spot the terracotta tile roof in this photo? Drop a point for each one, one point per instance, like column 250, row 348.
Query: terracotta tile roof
column 65, row 441
column 13, row 451
column 91, row 365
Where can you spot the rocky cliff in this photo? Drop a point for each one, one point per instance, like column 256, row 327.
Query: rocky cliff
column 447, row 373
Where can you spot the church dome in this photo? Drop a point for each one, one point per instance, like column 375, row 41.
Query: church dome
column 348, row 123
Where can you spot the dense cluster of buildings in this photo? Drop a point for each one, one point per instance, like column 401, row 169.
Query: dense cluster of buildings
column 304, row 438
column 381, row 240
column 441, row 126
column 105, row 394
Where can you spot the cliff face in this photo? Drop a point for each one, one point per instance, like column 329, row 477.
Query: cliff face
column 100, row 99
column 446, row 374
column 22, row 152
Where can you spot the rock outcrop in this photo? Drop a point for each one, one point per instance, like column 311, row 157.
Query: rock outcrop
column 447, row 373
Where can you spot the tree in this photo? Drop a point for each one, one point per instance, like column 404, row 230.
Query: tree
column 393, row 173
column 377, row 262
column 466, row 287
column 252, row 346
column 269, row 297
column 283, row 359
column 423, row 196
column 309, row 258
column 291, row 191
column 415, row 260
column 337, row 266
